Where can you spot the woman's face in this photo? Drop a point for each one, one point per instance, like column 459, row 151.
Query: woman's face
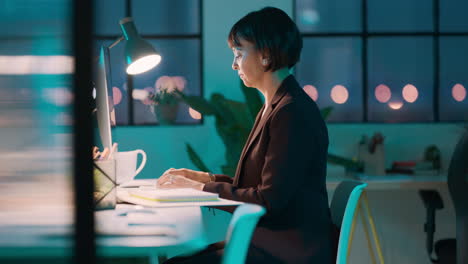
column 247, row 63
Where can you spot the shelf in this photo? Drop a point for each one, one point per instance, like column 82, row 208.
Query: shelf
column 335, row 175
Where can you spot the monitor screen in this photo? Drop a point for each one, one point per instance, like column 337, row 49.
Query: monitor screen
column 104, row 103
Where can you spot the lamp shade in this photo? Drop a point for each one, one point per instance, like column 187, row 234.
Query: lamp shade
column 140, row 55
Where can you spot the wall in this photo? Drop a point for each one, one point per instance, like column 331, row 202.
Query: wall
column 399, row 215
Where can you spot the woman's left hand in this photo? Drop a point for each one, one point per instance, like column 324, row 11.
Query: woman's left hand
column 171, row 181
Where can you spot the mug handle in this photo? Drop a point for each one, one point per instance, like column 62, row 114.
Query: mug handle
column 143, row 161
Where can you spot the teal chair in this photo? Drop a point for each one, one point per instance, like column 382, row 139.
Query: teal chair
column 239, row 233
column 343, row 208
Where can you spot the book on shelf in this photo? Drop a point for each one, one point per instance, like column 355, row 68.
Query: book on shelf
column 413, row 168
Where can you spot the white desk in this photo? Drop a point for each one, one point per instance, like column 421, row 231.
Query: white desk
column 53, row 239
column 190, row 237
column 47, row 238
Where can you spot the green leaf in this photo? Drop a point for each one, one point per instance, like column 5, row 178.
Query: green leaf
column 196, row 160
column 326, row 112
column 234, row 138
column 229, row 170
column 233, row 124
column 223, row 113
column 199, row 104
column 240, row 113
column 164, row 97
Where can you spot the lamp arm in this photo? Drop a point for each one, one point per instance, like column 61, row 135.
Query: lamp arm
column 116, row 42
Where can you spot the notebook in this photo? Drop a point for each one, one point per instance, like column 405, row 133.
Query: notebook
column 173, row 195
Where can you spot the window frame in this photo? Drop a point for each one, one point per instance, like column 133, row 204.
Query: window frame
column 129, row 78
column 365, row 35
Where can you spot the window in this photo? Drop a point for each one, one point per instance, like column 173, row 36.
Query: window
column 330, row 69
column 405, row 66
column 392, row 61
column 453, row 83
column 174, row 29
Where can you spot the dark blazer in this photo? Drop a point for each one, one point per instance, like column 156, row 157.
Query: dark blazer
column 283, row 167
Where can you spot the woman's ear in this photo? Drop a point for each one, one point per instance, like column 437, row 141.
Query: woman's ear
column 264, row 58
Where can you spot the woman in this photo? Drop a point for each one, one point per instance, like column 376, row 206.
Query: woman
column 283, row 164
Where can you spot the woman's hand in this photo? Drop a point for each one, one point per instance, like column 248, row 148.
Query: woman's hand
column 198, row 176
column 170, row 181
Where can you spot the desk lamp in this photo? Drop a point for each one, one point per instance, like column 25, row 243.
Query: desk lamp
column 140, row 55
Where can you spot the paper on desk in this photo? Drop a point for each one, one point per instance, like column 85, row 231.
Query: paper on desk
column 133, row 222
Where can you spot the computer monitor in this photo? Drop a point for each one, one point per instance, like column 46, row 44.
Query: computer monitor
column 104, row 103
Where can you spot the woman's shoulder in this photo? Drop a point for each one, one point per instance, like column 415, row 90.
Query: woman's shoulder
column 299, row 115
column 297, row 101
column 298, row 107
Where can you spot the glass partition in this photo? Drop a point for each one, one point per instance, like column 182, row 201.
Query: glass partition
column 36, row 152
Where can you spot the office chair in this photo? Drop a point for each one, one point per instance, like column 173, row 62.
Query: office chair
column 445, row 248
column 450, row 251
column 457, row 181
column 240, row 230
column 343, row 209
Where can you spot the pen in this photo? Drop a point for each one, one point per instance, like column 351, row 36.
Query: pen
column 113, row 149
column 104, row 153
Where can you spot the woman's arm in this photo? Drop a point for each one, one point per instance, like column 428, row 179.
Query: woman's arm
column 223, row 178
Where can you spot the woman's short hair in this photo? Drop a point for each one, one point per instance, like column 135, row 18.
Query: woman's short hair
column 273, row 33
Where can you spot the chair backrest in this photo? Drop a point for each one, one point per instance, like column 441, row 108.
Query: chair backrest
column 240, row 230
column 457, row 182
column 343, row 207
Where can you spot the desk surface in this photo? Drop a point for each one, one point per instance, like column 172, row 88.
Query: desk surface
column 124, row 196
column 51, row 239
column 45, row 229
column 387, row 182
column 55, row 240
column 190, row 236
column 394, row 182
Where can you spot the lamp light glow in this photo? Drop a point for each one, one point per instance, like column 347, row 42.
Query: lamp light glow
column 458, row 92
column 143, row 64
column 395, row 105
column 382, row 93
column 410, row 93
column 194, row 114
column 339, row 94
column 311, row 91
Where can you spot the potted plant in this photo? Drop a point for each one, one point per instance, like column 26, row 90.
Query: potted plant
column 165, row 100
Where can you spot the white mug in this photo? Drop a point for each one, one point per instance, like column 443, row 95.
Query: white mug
column 126, row 165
